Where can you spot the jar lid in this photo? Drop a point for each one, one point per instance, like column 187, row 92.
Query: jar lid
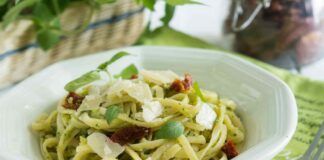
column 239, row 11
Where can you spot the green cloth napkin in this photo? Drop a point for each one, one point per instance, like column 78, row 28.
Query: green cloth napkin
column 309, row 93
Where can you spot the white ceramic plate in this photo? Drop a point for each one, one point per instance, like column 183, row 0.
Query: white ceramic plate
column 266, row 105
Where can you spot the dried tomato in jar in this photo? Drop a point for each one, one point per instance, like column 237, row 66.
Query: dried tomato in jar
column 291, row 30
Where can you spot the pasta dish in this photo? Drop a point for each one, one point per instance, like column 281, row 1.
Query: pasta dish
column 139, row 115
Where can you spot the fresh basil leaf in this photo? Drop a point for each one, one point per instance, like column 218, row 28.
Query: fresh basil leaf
column 198, row 91
column 82, row 80
column 170, row 130
column 14, row 12
column 169, row 12
column 128, row 72
column 112, row 113
column 57, row 6
column 55, row 23
column 47, row 38
column 42, row 13
column 63, row 4
column 3, row 2
column 112, row 60
column 181, row 2
column 105, row 1
column 147, row 3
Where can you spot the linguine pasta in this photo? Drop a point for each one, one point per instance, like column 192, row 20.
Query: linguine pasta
column 155, row 115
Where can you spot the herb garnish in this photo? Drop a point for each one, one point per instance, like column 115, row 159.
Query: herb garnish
column 128, row 72
column 198, row 91
column 95, row 74
column 45, row 15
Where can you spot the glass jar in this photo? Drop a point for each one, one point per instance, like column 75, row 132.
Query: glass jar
column 277, row 29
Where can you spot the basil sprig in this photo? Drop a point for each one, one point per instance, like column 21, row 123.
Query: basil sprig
column 128, row 72
column 112, row 113
column 125, row 73
column 170, row 130
column 117, row 56
column 198, row 91
column 95, row 74
column 181, row 2
column 82, row 81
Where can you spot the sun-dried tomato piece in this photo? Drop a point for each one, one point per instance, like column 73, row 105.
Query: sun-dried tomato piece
column 182, row 85
column 73, row 101
column 187, row 82
column 134, row 76
column 229, row 149
column 177, row 86
column 129, row 134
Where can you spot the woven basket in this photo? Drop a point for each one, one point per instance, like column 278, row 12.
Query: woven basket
column 114, row 25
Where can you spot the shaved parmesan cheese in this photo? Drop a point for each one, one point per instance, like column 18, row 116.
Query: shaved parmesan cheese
column 113, row 149
column 94, row 90
column 139, row 91
column 159, row 77
column 151, row 110
column 97, row 142
column 206, row 116
column 103, row 146
column 119, row 86
column 90, row 102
